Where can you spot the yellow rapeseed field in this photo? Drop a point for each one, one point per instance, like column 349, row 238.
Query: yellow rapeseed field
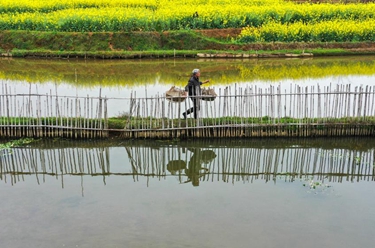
column 262, row 20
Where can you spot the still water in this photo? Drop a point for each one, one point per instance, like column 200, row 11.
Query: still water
column 209, row 193
column 217, row 193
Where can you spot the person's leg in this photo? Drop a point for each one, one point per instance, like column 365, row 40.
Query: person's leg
column 190, row 110
column 196, row 107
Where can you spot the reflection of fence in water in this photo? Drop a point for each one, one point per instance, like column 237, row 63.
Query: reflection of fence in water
column 16, row 163
column 247, row 164
column 268, row 164
column 223, row 164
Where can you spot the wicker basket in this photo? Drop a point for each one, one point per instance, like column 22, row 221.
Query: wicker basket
column 208, row 94
column 175, row 94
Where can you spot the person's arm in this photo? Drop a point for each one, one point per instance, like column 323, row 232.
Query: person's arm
column 204, row 82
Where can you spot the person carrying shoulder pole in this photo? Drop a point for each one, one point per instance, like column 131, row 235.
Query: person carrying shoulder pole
column 193, row 88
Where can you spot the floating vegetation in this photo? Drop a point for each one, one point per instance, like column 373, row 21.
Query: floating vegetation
column 6, row 148
column 316, row 186
column 16, row 143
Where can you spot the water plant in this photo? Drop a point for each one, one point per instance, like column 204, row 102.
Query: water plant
column 6, row 148
column 315, row 185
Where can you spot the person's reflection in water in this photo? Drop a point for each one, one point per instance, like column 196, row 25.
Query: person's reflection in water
column 195, row 169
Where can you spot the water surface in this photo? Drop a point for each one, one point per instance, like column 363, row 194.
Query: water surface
column 260, row 192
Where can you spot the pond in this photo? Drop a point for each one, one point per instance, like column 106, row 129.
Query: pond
column 209, row 193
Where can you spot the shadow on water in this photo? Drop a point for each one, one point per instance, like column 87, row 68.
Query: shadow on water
column 194, row 162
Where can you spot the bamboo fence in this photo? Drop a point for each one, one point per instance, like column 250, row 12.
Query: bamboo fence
column 229, row 165
column 51, row 115
column 258, row 111
column 251, row 111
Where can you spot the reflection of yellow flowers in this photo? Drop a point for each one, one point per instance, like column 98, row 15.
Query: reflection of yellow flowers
column 150, row 15
column 113, row 74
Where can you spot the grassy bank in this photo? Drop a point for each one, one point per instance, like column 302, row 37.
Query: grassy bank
column 226, row 127
column 185, row 43
column 120, row 123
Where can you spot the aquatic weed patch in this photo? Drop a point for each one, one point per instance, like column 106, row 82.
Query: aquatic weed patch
column 6, row 148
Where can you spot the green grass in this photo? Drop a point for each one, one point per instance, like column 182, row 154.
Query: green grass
column 150, row 122
column 138, row 123
column 186, row 43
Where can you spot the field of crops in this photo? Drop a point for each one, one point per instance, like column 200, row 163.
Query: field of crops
column 262, row 20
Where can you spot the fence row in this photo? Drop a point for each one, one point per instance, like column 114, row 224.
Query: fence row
column 46, row 115
column 51, row 115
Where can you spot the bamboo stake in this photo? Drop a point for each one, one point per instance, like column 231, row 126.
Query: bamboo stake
column 100, row 112
column 7, row 111
column 75, row 129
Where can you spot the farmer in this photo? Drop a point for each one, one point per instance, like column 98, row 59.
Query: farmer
column 194, row 89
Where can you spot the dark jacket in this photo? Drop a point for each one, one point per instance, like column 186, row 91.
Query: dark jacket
column 194, row 86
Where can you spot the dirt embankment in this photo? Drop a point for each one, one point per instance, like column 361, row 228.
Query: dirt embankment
column 220, row 33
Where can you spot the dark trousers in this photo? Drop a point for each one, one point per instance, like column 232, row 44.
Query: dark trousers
column 194, row 109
